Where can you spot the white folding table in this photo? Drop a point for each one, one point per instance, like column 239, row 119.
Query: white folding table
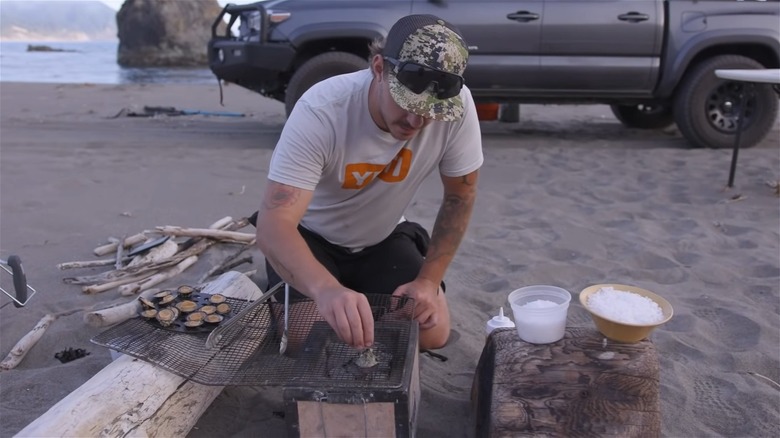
column 750, row 78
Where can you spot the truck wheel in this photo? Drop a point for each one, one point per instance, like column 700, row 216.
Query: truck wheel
column 644, row 116
column 706, row 107
column 318, row 68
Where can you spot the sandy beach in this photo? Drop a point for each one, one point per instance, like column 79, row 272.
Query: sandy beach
column 567, row 197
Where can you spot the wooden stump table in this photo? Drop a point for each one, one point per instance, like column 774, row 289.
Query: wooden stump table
column 581, row 385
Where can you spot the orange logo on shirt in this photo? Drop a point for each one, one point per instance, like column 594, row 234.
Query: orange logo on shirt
column 359, row 175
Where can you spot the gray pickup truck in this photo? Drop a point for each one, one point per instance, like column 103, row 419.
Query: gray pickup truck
column 652, row 61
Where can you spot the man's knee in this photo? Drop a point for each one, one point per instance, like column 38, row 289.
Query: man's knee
column 437, row 336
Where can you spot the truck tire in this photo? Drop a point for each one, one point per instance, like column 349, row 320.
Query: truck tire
column 644, row 116
column 706, row 107
column 318, row 68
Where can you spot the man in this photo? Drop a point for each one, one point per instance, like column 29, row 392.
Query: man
column 351, row 156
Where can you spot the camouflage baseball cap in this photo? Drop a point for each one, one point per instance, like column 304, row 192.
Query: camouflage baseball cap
column 432, row 42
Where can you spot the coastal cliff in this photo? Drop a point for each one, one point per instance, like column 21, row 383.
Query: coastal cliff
column 56, row 21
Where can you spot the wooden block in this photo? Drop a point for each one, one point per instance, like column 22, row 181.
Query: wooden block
column 577, row 386
column 360, row 410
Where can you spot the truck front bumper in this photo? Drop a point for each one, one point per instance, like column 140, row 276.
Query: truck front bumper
column 249, row 64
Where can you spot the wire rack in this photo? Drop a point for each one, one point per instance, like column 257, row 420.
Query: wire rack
column 249, row 354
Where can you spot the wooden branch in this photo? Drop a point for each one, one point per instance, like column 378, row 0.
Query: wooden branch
column 204, row 232
column 199, row 246
column 222, row 223
column 130, row 397
column 120, row 251
column 24, row 345
column 116, row 314
column 134, row 288
column 28, row 341
column 156, row 255
column 97, row 288
column 129, row 274
column 112, row 247
column 85, row 264
column 250, row 273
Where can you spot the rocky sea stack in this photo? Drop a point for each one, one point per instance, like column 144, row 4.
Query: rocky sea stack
column 165, row 33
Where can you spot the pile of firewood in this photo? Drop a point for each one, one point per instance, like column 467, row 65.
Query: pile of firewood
column 138, row 274
column 132, row 275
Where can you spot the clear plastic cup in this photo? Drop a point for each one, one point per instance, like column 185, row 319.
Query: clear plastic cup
column 540, row 313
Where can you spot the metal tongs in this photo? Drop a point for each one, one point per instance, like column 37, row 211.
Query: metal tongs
column 283, row 344
column 219, row 333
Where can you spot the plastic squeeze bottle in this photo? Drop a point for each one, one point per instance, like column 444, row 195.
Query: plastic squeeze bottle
column 498, row 321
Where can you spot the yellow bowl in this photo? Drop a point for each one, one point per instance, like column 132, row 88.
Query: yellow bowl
column 620, row 331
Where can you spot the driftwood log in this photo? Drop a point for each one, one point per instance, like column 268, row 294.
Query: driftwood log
column 126, row 242
column 579, row 386
column 119, row 313
column 206, row 232
column 85, row 264
column 130, row 397
column 134, row 288
column 28, row 341
column 24, row 345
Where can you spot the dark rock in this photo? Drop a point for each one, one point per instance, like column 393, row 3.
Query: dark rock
column 44, row 48
column 165, row 33
column 70, row 354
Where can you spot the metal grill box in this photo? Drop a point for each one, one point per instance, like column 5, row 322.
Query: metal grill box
column 380, row 401
column 326, row 392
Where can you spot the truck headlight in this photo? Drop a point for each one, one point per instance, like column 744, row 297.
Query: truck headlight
column 250, row 24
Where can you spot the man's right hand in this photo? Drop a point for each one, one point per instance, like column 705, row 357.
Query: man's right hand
column 349, row 314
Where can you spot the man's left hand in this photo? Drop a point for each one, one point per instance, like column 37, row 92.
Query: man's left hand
column 424, row 293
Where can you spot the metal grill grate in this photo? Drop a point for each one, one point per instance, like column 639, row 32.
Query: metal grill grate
column 248, row 353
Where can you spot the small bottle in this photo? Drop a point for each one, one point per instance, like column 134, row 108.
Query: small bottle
column 498, row 321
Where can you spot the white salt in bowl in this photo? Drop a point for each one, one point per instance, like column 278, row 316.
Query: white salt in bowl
column 621, row 320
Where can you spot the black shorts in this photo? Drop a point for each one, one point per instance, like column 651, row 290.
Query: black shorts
column 377, row 269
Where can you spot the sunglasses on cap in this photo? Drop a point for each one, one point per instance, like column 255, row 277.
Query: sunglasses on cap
column 417, row 78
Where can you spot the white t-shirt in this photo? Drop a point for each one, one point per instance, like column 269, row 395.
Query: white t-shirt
column 363, row 179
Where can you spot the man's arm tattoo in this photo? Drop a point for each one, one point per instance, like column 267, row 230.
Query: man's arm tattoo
column 452, row 220
column 282, row 196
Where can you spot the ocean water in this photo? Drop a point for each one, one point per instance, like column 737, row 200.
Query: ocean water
column 86, row 62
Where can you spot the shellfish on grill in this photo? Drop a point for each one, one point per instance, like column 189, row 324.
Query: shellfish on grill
column 187, row 306
column 167, row 316
column 217, row 299
column 214, row 318
column 223, row 308
column 366, row 359
column 146, row 303
column 149, row 313
column 208, row 310
column 162, row 294
column 167, row 299
column 185, row 290
column 193, row 323
column 196, row 316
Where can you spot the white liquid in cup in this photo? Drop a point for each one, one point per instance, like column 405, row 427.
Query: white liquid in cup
column 540, row 313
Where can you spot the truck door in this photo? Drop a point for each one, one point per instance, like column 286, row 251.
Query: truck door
column 503, row 39
column 601, row 46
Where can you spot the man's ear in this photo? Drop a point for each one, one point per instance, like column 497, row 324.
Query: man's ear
column 378, row 66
